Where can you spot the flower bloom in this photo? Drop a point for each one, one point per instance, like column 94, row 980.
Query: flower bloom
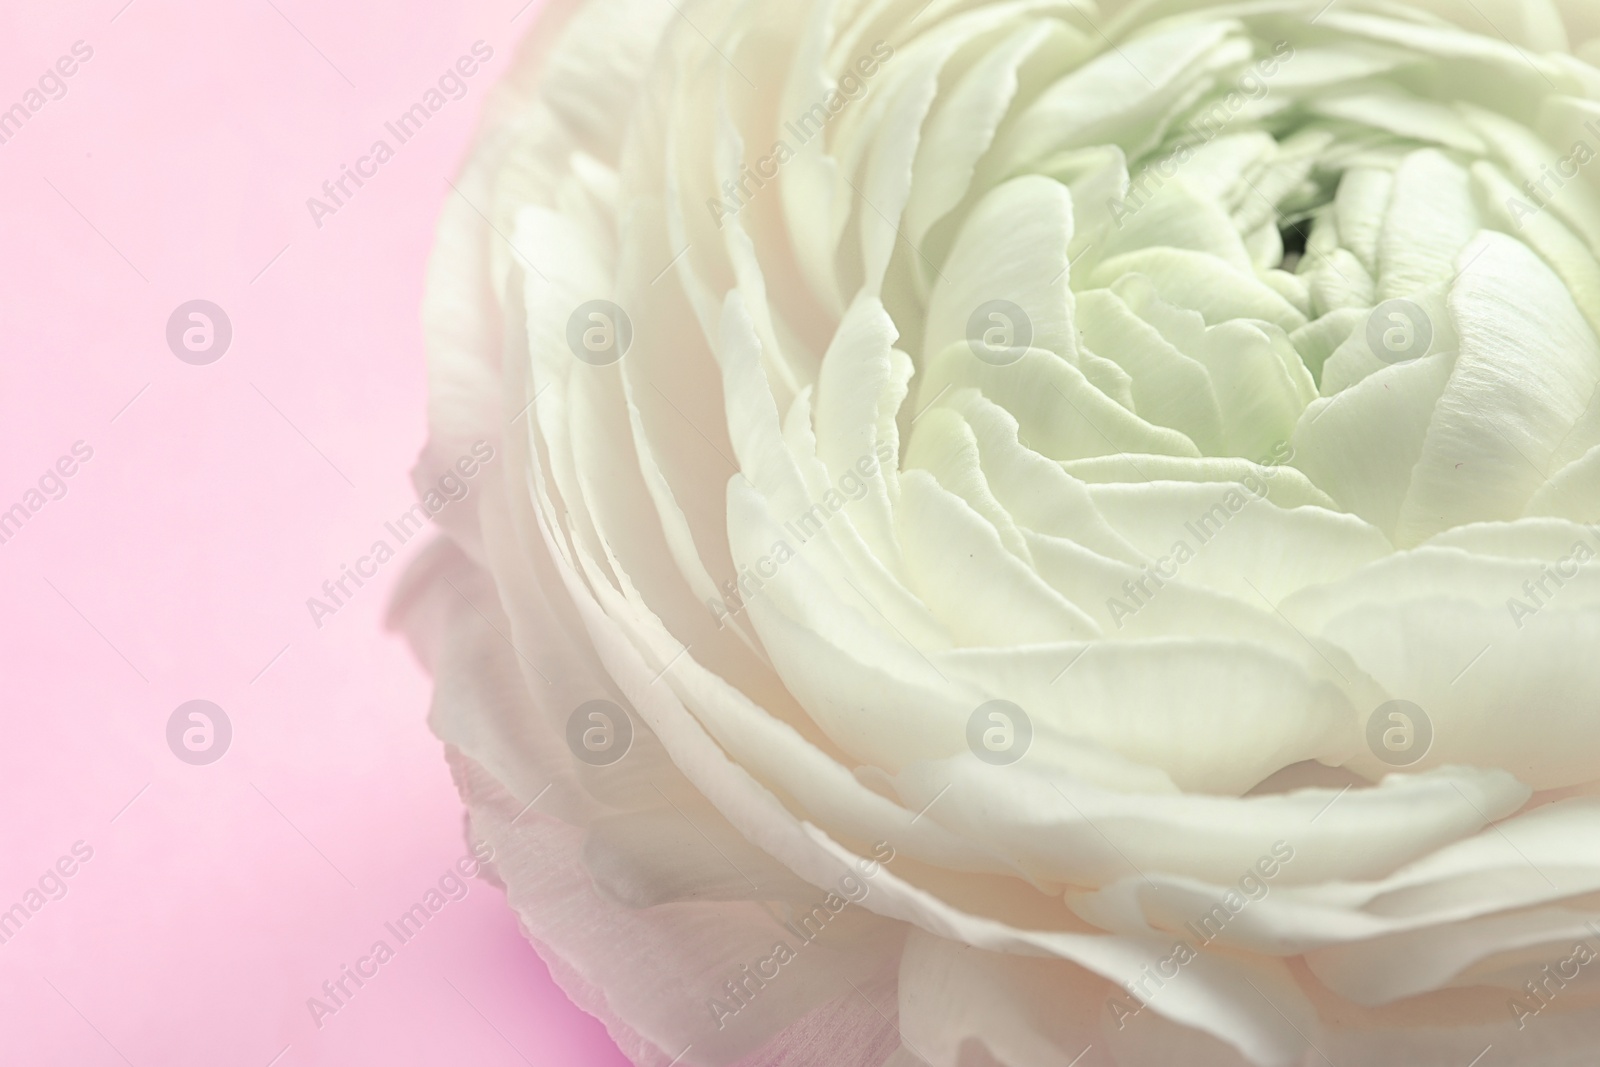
column 1024, row 533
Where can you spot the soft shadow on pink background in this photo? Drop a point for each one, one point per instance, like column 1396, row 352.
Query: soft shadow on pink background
column 218, row 499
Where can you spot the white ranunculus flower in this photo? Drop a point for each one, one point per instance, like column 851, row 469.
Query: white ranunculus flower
column 1026, row 533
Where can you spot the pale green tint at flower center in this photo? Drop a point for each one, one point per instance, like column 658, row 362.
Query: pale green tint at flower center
column 1309, row 261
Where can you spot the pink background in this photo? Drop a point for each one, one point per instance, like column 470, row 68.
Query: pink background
column 177, row 567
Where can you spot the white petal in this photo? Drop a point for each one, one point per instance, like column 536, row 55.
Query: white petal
column 1528, row 367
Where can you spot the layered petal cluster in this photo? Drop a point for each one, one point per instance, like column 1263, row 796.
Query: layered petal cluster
column 1028, row 533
